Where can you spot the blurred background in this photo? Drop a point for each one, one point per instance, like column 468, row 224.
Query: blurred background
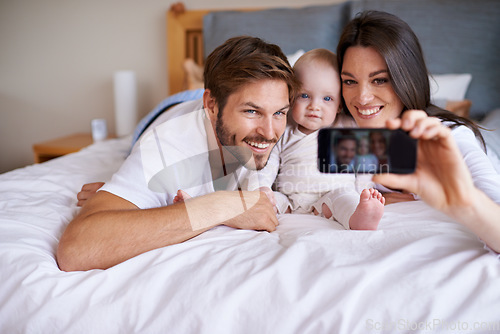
column 58, row 57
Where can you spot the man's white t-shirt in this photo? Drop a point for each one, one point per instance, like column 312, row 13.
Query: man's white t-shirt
column 173, row 154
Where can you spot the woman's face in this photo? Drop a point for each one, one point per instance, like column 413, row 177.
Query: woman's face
column 378, row 144
column 367, row 89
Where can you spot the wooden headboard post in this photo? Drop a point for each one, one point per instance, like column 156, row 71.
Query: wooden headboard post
column 184, row 40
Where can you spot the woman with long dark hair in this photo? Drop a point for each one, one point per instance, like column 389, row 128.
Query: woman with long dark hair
column 385, row 82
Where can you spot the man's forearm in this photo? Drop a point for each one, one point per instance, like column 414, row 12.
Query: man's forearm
column 110, row 230
column 99, row 239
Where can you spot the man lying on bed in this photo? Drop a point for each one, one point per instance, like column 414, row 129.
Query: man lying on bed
column 242, row 115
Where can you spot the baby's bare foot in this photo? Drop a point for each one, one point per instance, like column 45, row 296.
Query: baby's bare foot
column 369, row 211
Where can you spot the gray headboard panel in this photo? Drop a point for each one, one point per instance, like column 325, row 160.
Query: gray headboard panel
column 458, row 36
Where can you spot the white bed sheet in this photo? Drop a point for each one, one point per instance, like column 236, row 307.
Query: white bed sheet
column 420, row 270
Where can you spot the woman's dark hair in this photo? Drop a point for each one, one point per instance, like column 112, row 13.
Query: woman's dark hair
column 396, row 42
column 242, row 60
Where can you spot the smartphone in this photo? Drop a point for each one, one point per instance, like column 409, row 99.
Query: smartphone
column 362, row 150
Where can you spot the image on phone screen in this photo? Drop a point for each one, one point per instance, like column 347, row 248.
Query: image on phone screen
column 372, row 151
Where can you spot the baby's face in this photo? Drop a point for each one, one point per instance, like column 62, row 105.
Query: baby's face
column 364, row 147
column 319, row 97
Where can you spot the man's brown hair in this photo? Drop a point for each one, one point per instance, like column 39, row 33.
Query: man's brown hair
column 242, row 60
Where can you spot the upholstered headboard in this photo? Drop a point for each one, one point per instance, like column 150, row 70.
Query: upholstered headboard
column 458, row 36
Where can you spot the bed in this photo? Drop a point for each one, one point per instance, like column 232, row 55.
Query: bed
column 419, row 272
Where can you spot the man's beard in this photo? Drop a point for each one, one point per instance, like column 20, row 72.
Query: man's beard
column 244, row 155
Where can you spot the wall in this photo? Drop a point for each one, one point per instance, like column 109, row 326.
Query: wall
column 57, row 60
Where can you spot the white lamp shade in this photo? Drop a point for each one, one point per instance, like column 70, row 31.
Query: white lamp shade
column 125, row 93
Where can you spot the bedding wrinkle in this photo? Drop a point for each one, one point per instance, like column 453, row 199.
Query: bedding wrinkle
column 371, row 293
column 211, row 257
column 467, row 278
column 274, row 270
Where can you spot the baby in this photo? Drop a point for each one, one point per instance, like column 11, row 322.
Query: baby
column 301, row 188
column 365, row 161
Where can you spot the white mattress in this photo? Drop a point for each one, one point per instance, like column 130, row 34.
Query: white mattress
column 420, row 270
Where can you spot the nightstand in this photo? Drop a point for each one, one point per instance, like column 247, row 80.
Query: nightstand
column 54, row 148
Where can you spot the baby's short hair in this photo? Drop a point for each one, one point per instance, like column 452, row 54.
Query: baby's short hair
column 318, row 55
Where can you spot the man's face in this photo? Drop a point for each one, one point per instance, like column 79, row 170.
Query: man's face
column 346, row 150
column 253, row 120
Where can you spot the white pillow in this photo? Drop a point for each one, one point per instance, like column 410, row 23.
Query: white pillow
column 449, row 87
column 295, row 56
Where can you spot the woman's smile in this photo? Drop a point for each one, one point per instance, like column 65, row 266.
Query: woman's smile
column 367, row 88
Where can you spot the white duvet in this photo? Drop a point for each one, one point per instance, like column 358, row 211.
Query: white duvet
column 419, row 272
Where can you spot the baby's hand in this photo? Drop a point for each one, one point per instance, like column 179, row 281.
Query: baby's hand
column 181, row 196
column 88, row 191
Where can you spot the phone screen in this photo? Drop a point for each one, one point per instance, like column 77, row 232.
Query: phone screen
column 361, row 150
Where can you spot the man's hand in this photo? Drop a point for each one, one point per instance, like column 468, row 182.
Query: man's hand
column 260, row 214
column 250, row 210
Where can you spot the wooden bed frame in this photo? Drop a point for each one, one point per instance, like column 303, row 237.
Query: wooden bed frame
column 184, row 41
